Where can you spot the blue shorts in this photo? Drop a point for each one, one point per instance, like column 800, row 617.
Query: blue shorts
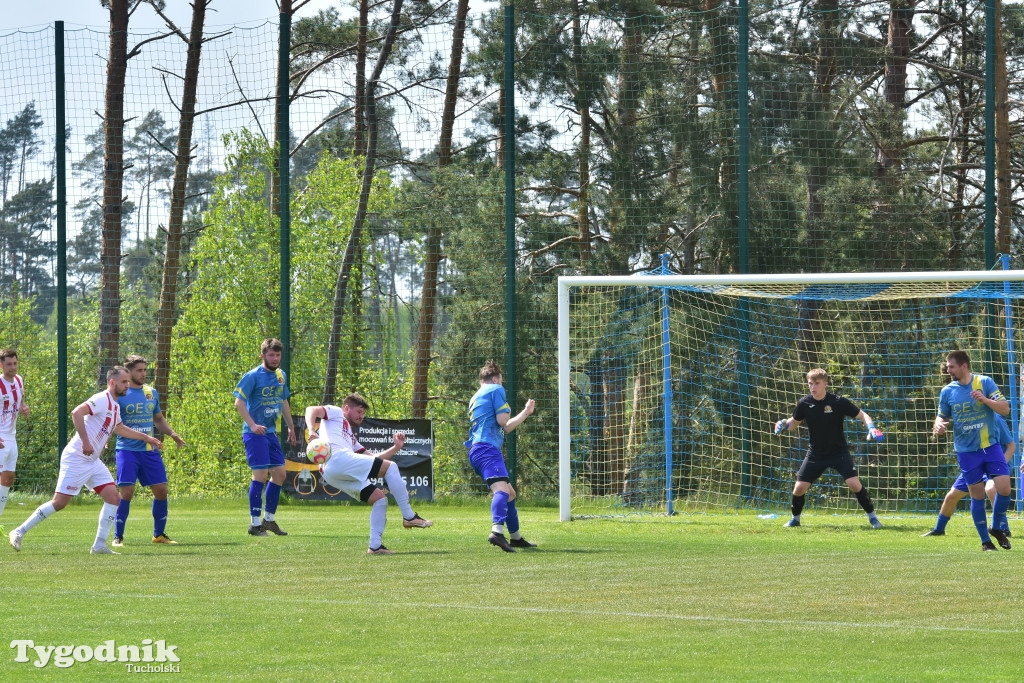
column 145, row 466
column 488, row 462
column 263, row 451
column 976, row 464
column 961, row 485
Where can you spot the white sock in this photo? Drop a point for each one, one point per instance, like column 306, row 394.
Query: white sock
column 107, row 515
column 515, row 535
column 498, row 529
column 256, row 521
column 872, row 516
column 268, row 516
column 396, row 485
column 41, row 513
column 378, row 520
column 3, row 497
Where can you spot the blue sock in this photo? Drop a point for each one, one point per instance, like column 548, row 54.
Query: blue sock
column 255, row 499
column 999, row 507
column 512, row 520
column 499, row 507
column 980, row 518
column 159, row 516
column 940, row 524
column 123, row 508
column 273, row 496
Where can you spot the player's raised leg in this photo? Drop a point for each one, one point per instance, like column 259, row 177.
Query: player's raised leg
column 396, row 485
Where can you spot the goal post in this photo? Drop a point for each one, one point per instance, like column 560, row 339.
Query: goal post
column 667, row 384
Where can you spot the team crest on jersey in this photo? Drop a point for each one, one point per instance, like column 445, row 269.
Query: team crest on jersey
column 828, row 409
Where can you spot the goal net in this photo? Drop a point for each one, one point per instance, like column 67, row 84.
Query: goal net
column 669, row 385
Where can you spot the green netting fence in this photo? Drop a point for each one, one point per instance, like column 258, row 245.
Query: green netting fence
column 760, row 137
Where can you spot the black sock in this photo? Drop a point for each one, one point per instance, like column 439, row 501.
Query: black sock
column 865, row 500
column 798, row 504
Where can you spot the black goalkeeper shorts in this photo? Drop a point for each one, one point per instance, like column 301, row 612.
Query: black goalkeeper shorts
column 811, row 469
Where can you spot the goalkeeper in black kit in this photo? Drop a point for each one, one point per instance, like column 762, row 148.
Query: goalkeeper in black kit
column 825, row 413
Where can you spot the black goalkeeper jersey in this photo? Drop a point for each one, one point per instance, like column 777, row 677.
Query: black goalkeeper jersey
column 824, row 420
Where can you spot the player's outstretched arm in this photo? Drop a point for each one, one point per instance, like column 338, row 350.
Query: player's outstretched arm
column 869, row 424
column 129, row 433
column 786, row 425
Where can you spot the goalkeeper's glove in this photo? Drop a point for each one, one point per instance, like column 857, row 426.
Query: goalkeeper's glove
column 779, row 426
column 875, row 433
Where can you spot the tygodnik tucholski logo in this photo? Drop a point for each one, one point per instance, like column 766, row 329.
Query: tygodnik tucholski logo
column 152, row 656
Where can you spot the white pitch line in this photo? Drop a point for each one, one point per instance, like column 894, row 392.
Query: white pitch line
column 604, row 613
column 678, row 617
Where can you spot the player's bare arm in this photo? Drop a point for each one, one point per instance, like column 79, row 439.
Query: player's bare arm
column 247, row 418
column 787, row 425
column 129, row 433
column 287, row 411
column 313, row 416
column 161, row 426
column 510, row 423
column 939, row 428
column 1002, row 407
column 78, row 419
column 399, row 441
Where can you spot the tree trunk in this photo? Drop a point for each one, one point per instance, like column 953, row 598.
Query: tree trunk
column 341, row 285
column 113, row 189
column 428, row 297
column 625, row 133
column 175, row 223
column 358, row 124
column 1004, row 189
column 583, row 106
column 890, row 149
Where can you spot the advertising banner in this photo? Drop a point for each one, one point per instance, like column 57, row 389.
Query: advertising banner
column 415, row 460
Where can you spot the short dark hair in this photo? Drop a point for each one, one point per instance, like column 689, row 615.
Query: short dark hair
column 271, row 344
column 489, row 371
column 355, row 399
column 7, row 353
column 959, row 357
column 133, row 360
column 115, row 371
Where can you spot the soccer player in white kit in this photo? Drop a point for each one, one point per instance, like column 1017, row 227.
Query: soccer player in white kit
column 12, row 404
column 80, row 465
column 351, row 467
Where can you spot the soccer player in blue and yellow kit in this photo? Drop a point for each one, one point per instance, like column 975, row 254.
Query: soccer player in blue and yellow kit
column 970, row 402
column 959, row 490
column 490, row 420
column 137, row 460
column 261, row 398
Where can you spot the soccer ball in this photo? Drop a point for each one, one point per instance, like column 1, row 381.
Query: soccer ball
column 318, row 451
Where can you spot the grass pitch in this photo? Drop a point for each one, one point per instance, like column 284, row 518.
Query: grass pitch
column 700, row 597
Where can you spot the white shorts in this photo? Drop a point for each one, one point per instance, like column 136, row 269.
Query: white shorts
column 78, row 473
column 9, row 455
column 348, row 472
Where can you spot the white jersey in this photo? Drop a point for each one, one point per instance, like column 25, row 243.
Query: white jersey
column 104, row 415
column 337, row 430
column 12, row 397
